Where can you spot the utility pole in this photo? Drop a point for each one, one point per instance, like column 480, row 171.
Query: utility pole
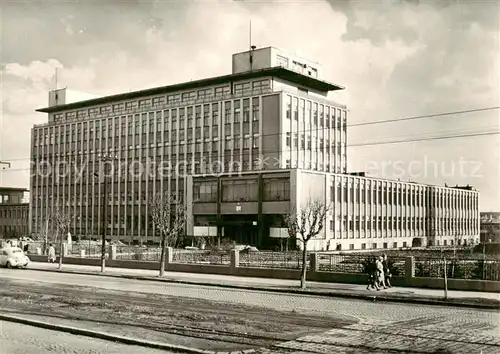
column 103, row 159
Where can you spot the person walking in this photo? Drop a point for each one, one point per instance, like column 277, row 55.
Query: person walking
column 52, row 254
column 372, row 275
column 387, row 272
column 380, row 273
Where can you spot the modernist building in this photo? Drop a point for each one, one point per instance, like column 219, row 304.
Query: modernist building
column 490, row 227
column 366, row 212
column 14, row 213
column 271, row 114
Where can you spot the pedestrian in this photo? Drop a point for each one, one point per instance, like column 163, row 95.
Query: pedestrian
column 380, row 273
column 387, row 272
column 52, row 254
column 371, row 271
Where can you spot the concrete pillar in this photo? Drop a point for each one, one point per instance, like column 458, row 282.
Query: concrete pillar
column 112, row 252
column 169, row 256
column 235, row 258
column 409, row 269
column 314, row 262
column 65, row 249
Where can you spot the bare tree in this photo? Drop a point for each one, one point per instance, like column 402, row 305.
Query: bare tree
column 306, row 223
column 61, row 220
column 168, row 215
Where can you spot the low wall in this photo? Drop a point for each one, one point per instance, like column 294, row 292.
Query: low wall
column 276, row 273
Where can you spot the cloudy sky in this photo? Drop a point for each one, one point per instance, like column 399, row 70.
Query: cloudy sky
column 396, row 59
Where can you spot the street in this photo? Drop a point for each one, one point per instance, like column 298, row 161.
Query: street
column 21, row 339
column 356, row 324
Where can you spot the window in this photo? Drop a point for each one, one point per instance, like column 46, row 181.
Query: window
column 222, row 91
column 205, row 191
column 363, row 246
column 255, row 141
column 289, row 107
column 374, row 245
column 246, row 110
column 260, row 85
column 189, row 96
column 288, row 139
column 242, row 87
column 227, row 115
column 351, row 246
column 276, row 189
column 282, row 61
column 239, row 190
column 204, row 93
column 237, row 111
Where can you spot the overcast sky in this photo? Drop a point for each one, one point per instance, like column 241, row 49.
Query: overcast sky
column 396, row 59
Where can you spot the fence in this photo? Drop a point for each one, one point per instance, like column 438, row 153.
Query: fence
column 200, row 257
column 356, row 263
column 458, row 268
column 283, row 260
column 470, row 268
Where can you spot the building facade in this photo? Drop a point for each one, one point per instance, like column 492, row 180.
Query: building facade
column 490, row 227
column 271, row 115
column 160, row 136
column 14, row 213
column 366, row 213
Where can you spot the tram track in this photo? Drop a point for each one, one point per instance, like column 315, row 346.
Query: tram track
column 72, row 300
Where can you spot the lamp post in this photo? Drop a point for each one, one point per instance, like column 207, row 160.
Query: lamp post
column 104, row 158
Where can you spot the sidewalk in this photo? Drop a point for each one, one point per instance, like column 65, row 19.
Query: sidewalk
column 401, row 294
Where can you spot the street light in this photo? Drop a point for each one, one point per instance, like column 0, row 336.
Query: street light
column 104, row 158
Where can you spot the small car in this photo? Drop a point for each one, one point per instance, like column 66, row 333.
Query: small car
column 11, row 257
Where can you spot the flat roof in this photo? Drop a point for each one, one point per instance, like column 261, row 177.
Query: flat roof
column 279, row 72
column 236, row 174
column 13, row 189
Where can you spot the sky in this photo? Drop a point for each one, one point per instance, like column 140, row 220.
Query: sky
column 396, row 59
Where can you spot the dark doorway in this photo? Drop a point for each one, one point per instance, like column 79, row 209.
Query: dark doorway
column 241, row 228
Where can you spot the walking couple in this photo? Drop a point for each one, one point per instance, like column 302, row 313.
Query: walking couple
column 379, row 274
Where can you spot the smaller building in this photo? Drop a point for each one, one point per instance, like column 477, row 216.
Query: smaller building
column 367, row 212
column 14, row 212
column 490, row 227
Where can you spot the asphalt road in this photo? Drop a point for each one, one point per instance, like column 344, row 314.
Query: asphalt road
column 358, row 309
column 21, row 339
column 387, row 326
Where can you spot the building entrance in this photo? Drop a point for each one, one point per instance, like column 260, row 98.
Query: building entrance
column 241, row 228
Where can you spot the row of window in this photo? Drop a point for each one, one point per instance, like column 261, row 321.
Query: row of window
column 312, row 143
column 398, row 222
column 197, row 116
column 13, row 214
column 316, row 114
column 216, row 92
column 242, row 190
column 402, row 196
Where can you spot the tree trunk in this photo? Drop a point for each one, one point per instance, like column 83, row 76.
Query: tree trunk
column 60, row 251
column 162, row 258
column 304, row 267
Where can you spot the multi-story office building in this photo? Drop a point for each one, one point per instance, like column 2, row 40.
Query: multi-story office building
column 272, row 113
column 14, row 212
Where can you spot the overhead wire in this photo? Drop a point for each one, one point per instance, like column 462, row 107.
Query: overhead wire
column 318, row 129
column 240, row 154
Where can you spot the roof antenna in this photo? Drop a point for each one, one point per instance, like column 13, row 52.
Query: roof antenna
column 252, row 47
column 56, row 94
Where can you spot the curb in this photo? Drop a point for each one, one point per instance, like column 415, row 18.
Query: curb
column 105, row 336
column 366, row 297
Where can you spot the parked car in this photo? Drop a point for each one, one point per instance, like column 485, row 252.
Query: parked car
column 13, row 257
